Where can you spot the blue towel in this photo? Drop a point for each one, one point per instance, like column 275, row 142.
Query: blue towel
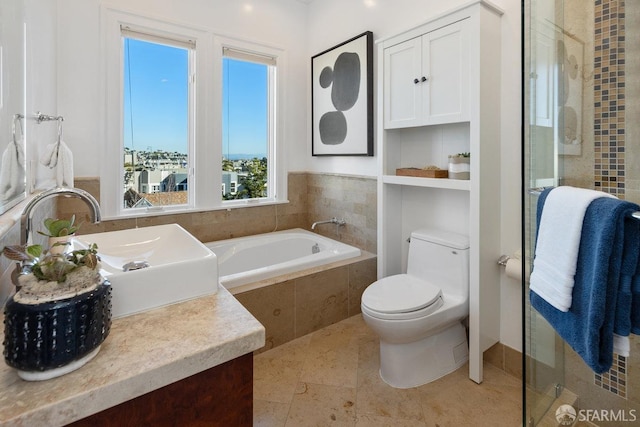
column 607, row 260
column 635, row 300
column 625, row 323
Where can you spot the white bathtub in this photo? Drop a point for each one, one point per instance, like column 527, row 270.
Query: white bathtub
column 252, row 258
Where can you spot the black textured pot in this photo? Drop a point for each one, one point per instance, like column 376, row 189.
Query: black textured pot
column 52, row 338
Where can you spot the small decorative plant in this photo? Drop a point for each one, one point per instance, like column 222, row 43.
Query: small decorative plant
column 60, row 227
column 52, row 267
column 60, row 313
column 459, row 166
column 460, row 155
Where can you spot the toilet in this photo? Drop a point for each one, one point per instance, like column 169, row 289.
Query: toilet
column 418, row 315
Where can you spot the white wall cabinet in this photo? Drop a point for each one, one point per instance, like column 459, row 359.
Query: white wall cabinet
column 455, row 109
column 426, row 78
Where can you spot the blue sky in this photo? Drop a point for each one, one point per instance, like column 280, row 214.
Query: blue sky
column 245, row 111
column 156, row 100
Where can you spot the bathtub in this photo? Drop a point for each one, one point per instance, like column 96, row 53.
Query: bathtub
column 250, row 259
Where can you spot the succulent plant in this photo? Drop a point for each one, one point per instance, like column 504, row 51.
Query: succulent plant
column 52, row 267
column 60, row 227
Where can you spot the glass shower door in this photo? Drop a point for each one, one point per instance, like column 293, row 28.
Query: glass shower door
column 544, row 121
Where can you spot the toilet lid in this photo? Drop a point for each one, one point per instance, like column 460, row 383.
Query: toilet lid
column 400, row 294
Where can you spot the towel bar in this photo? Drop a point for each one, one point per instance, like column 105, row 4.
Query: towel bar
column 503, row 260
column 47, row 118
column 537, row 191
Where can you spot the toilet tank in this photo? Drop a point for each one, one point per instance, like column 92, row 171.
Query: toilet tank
column 442, row 258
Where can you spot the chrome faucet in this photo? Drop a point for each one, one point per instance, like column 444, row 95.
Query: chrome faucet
column 25, row 220
column 334, row 220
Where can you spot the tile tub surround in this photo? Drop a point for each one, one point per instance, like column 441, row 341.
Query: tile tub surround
column 206, row 226
column 312, row 197
column 331, row 377
column 293, row 305
column 137, row 357
column 353, row 198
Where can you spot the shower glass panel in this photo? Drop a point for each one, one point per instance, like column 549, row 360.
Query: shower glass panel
column 582, row 103
column 544, row 133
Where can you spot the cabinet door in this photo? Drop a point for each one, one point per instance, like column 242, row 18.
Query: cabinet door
column 402, row 95
column 445, row 64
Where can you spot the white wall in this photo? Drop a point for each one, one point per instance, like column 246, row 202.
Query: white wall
column 511, row 187
column 41, row 90
column 279, row 23
column 333, row 21
column 303, row 30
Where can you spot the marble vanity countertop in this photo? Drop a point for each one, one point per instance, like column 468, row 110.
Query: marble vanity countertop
column 142, row 353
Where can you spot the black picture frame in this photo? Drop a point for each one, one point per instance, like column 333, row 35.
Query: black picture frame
column 342, row 99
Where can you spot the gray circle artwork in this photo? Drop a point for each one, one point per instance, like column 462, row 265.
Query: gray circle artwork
column 570, row 125
column 572, row 66
column 344, row 80
column 333, row 128
column 326, row 77
column 562, row 59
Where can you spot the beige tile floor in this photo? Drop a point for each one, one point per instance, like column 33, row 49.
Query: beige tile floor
column 330, row 377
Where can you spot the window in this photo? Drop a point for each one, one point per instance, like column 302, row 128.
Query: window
column 247, row 104
column 187, row 111
column 155, row 116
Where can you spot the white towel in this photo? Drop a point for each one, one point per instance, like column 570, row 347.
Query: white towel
column 621, row 345
column 12, row 171
column 558, row 241
column 59, row 156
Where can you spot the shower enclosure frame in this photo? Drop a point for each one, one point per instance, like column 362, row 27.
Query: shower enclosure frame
column 590, row 64
column 543, row 357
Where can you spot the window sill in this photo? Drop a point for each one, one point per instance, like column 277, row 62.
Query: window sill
column 228, row 205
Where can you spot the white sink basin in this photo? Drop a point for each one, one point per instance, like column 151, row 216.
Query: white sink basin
column 176, row 266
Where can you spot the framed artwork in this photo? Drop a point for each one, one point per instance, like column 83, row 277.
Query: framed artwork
column 342, row 99
column 571, row 52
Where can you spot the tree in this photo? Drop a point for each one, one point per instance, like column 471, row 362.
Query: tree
column 254, row 185
column 227, row 165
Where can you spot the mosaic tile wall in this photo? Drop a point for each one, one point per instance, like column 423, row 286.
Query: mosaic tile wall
column 609, row 97
column 615, row 380
column 609, row 132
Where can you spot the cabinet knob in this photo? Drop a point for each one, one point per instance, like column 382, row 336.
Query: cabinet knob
column 424, row 79
column 416, row 81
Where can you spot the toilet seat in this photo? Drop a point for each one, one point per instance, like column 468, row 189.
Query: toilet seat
column 401, row 297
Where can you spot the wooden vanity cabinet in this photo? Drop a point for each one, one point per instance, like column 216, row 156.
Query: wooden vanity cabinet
column 220, row 396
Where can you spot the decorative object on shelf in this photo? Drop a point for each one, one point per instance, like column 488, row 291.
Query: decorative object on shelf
column 59, row 316
column 58, row 232
column 342, row 99
column 459, row 166
column 426, row 172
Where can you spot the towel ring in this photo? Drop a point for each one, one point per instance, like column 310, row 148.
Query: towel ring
column 16, row 118
column 60, row 120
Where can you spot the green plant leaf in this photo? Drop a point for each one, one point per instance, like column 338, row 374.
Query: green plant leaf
column 59, row 227
column 53, row 267
column 34, row 251
column 48, row 222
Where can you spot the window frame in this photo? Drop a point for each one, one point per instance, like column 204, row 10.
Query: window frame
column 222, row 44
column 205, row 130
column 182, row 42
